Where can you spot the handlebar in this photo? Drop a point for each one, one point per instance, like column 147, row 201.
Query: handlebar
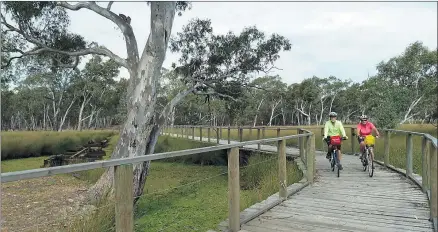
column 363, row 137
column 328, row 138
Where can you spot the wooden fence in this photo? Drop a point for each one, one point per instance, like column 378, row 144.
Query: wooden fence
column 123, row 167
column 427, row 180
column 123, row 175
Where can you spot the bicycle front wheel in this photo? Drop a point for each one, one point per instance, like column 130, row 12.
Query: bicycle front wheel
column 370, row 165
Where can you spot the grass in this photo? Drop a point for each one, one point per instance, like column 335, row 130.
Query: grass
column 397, row 146
column 180, row 196
column 24, row 144
column 202, row 205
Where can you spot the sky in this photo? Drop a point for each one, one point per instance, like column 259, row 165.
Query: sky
column 343, row 39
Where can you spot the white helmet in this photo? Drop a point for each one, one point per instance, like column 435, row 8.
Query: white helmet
column 333, row 114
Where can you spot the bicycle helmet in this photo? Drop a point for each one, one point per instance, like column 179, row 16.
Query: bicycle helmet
column 363, row 117
column 333, row 114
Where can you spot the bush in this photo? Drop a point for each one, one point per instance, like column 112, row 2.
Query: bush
column 24, row 144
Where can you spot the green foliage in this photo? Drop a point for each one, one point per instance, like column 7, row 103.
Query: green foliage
column 220, row 65
column 41, row 25
column 16, row 145
column 385, row 115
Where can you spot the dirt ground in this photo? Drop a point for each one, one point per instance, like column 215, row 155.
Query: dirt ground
column 42, row 204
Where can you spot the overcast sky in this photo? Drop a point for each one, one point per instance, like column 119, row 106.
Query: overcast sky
column 346, row 40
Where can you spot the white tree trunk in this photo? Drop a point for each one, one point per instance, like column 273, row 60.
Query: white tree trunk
column 322, row 111
column 140, row 131
column 257, row 112
column 274, row 106
column 65, row 114
column 411, row 107
column 81, row 111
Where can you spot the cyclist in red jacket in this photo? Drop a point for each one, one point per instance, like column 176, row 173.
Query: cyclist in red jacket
column 365, row 128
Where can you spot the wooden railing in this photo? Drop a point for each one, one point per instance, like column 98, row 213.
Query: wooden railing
column 123, row 175
column 427, row 180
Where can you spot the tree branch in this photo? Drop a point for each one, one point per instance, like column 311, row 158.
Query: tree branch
column 110, row 4
column 168, row 108
column 216, row 93
column 41, row 48
column 124, row 26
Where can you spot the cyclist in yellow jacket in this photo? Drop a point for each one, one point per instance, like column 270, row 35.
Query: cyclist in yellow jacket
column 334, row 127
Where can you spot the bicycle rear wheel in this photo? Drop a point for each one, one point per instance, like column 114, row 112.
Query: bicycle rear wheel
column 364, row 160
column 337, row 163
column 370, row 165
column 333, row 162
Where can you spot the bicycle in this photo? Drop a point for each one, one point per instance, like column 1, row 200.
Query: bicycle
column 334, row 161
column 367, row 162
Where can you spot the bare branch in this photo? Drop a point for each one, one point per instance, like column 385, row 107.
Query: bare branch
column 124, row 26
column 216, row 93
column 110, row 4
column 168, row 108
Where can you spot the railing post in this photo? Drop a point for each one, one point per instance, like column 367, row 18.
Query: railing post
column 386, row 145
column 409, row 155
column 433, row 184
column 200, row 133
column 258, row 138
column 353, row 142
column 425, row 158
column 229, row 134
column 263, row 133
column 233, row 190
column 123, row 176
column 240, row 134
column 278, row 132
column 282, row 175
column 220, row 132
column 250, row 133
column 217, row 135
column 322, row 134
column 300, row 145
column 310, row 157
column 193, row 132
column 208, row 134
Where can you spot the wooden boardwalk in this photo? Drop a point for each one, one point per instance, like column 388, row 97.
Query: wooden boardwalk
column 353, row 202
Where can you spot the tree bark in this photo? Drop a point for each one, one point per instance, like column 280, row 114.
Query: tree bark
column 140, row 131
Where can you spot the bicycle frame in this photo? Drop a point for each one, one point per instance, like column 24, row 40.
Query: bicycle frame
column 335, row 161
column 368, row 161
column 335, row 155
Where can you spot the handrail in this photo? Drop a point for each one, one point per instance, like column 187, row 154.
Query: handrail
column 123, row 175
column 42, row 172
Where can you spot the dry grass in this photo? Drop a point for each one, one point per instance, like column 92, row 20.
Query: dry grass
column 24, row 144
